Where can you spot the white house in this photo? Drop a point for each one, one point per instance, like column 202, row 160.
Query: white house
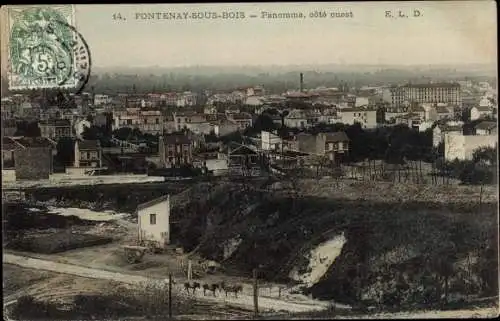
column 270, row 141
column 366, row 117
column 80, row 126
column 153, row 223
column 440, row 130
column 101, row 99
column 296, row 119
column 478, row 112
column 462, row 147
column 361, row 101
column 485, row 128
column 254, row 101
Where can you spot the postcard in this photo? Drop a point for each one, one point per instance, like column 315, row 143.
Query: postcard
column 250, row 160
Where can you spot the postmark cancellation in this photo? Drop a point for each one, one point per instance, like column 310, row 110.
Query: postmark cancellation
column 45, row 50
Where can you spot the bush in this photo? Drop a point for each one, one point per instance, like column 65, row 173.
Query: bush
column 57, row 242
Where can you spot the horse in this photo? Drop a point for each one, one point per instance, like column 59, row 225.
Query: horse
column 194, row 286
column 231, row 288
column 210, row 287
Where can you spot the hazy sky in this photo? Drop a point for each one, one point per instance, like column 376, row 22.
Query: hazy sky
column 457, row 32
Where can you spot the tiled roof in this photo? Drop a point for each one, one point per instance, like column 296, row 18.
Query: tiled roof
column 8, row 144
column 434, row 85
column 355, row 109
column 241, row 116
column 153, row 202
column 9, row 122
column 56, row 122
column 486, row 125
column 336, row 137
column 34, row 141
column 89, row 144
column 450, row 128
column 442, row 110
column 176, row 139
column 484, row 108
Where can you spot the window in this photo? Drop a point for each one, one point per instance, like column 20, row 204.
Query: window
column 157, row 120
column 152, row 219
column 129, row 121
column 93, row 155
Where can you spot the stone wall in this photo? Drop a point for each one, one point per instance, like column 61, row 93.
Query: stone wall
column 33, row 163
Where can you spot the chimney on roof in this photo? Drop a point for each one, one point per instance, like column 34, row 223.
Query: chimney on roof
column 301, row 84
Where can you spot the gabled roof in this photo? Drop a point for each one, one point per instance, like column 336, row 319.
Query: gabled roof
column 177, row 139
column 9, row 122
column 442, row 110
column 450, row 128
column 336, row 137
column 56, row 122
column 27, row 142
column 89, row 144
column 241, row 116
column 8, row 144
column 355, row 109
column 153, row 202
column 484, row 108
column 237, row 149
column 486, row 125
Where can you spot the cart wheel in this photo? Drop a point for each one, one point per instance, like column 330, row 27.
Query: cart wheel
column 131, row 258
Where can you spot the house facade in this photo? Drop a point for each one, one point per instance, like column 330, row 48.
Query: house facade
column 485, row 128
column 366, row 117
column 243, row 120
column 478, row 112
column 30, row 157
column 439, row 131
column 153, row 221
column 335, row 146
column 56, row 128
column 175, row 150
column 462, row 147
column 270, row 141
column 88, row 154
column 9, row 127
column 148, row 121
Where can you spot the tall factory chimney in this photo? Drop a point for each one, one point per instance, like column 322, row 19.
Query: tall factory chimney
column 301, row 85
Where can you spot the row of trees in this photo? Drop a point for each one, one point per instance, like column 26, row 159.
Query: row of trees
column 395, row 144
column 482, row 169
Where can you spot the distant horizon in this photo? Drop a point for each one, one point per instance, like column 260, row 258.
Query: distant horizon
column 300, row 65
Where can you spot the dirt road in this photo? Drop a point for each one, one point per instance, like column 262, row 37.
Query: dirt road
column 243, row 300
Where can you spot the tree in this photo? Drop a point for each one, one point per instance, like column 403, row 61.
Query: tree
column 94, row 133
column 263, row 122
column 122, row 133
column 28, row 129
column 65, row 151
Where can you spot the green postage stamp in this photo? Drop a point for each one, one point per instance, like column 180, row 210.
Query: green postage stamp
column 41, row 47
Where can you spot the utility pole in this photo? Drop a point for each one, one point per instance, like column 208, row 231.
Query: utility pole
column 255, row 294
column 190, row 270
column 170, row 296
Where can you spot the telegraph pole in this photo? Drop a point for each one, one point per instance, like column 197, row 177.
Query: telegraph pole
column 255, row 294
column 170, row 296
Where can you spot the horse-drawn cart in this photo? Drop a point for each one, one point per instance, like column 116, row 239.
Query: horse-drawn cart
column 134, row 253
column 152, row 246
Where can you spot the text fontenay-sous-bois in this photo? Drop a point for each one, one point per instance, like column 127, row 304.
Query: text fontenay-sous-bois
column 235, row 15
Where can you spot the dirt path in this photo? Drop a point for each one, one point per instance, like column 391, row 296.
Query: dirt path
column 243, row 300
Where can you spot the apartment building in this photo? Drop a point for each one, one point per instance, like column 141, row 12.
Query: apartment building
column 366, row 117
column 146, row 120
column 175, row 150
column 423, row 93
column 55, row 128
